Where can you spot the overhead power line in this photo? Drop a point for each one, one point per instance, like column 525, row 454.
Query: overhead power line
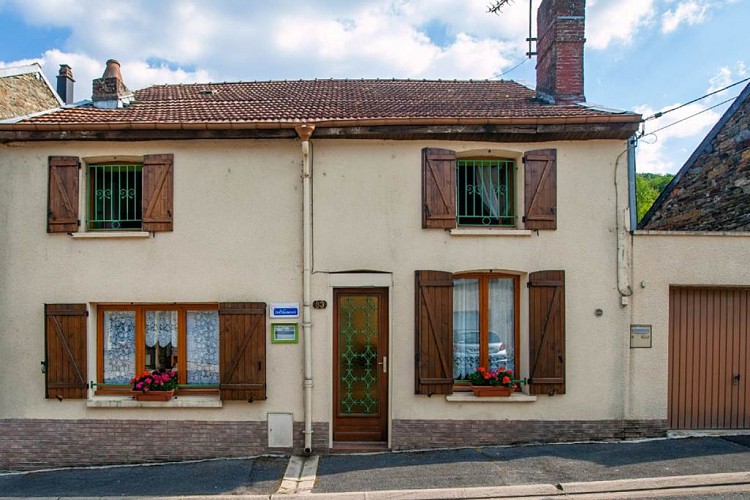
column 662, row 113
column 499, row 75
column 693, row 115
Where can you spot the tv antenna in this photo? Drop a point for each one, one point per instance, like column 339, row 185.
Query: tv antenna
column 496, row 8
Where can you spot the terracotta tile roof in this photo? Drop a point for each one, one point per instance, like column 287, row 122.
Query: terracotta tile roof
column 319, row 101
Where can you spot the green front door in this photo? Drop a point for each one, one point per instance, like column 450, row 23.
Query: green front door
column 360, row 364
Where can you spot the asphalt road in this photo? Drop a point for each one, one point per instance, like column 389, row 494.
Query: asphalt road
column 470, row 467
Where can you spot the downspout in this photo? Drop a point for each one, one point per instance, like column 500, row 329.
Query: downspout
column 304, row 132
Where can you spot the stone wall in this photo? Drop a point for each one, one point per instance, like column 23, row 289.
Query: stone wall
column 714, row 193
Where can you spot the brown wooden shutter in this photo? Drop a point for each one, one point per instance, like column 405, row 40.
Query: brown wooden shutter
column 438, row 188
column 547, row 332
column 62, row 194
column 434, row 333
column 242, row 351
column 540, row 192
column 65, row 351
column 158, row 192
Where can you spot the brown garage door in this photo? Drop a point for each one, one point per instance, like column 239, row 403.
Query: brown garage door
column 709, row 358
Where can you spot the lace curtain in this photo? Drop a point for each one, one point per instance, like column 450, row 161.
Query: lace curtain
column 119, row 346
column 502, row 323
column 202, row 347
column 161, row 328
column 465, row 327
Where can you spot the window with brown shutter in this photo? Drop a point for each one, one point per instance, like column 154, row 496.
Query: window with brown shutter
column 547, row 332
column 540, row 174
column 434, row 332
column 158, row 192
column 65, row 351
column 438, row 188
column 62, row 193
column 119, row 196
column 242, row 348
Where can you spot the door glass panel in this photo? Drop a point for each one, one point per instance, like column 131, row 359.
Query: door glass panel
column 502, row 324
column 161, row 339
column 465, row 327
column 358, row 355
column 119, row 346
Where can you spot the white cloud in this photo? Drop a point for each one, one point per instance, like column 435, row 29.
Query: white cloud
column 666, row 150
column 726, row 76
column 611, row 21
column 689, row 12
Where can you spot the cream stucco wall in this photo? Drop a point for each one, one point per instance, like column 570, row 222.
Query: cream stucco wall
column 237, row 237
column 368, row 216
column 662, row 260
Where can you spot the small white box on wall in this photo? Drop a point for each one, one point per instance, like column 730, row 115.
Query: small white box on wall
column 280, row 430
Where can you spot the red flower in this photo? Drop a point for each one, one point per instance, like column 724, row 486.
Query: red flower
column 506, row 380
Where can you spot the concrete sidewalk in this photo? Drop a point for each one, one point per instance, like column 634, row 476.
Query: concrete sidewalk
column 704, row 466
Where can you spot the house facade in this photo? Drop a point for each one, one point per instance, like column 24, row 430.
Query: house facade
column 323, row 263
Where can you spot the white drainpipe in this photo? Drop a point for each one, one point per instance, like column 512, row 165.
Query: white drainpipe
column 304, row 132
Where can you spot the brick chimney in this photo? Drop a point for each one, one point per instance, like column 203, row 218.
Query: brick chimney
column 65, row 84
column 109, row 91
column 560, row 38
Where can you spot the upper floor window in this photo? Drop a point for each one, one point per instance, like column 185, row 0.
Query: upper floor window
column 135, row 196
column 115, row 197
column 485, row 191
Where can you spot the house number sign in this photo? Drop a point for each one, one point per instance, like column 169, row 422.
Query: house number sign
column 285, row 309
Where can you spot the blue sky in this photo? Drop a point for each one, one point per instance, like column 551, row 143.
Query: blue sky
column 641, row 55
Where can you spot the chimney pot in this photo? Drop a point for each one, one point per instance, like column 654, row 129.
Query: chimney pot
column 109, row 91
column 560, row 37
column 65, row 84
column 112, row 70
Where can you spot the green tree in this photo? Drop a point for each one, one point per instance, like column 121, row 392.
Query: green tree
column 647, row 190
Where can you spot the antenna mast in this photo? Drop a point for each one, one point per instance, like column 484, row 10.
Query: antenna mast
column 530, row 39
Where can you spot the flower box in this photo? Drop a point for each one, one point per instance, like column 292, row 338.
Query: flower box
column 153, row 395
column 491, row 391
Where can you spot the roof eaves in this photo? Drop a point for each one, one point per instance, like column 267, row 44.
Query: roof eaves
column 745, row 94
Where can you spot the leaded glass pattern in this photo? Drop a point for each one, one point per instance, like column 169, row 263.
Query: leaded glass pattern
column 119, row 346
column 202, row 347
column 358, row 354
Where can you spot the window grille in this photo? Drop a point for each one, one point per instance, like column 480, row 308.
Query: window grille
column 485, row 193
column 115, row 197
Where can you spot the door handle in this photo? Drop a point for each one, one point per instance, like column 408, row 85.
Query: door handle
column 384, row 363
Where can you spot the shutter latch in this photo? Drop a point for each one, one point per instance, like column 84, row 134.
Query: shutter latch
column 44, row 367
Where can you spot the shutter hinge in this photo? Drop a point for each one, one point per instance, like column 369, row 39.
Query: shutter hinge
column 87, row 313
column 416, row 359
column 523, row 219
column 78, row 222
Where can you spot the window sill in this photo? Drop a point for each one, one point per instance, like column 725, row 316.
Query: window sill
column 495, row 231
column 467, row 397
column 178, row 402
column 110, row 234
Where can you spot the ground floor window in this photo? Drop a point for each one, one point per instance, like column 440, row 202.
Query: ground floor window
column 183, row 338
column 485, row 322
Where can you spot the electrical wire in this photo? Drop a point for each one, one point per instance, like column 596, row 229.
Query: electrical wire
column 511, row 69
column 693, row 115
column 662, row 113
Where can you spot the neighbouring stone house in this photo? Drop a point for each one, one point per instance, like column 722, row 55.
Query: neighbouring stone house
column 322, row 263
column 24, row 90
